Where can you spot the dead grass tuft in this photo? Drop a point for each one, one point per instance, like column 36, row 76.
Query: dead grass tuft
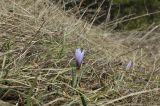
column 37, row 56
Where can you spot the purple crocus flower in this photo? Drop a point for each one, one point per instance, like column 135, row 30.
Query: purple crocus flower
column 79, row 55
column 129, row 65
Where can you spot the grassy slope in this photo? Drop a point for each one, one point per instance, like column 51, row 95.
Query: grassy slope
column 38, row 41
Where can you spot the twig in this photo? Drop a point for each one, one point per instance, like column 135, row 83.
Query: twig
column 127, row 96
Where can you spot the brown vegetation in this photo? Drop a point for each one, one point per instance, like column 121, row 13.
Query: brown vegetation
column 38, row 40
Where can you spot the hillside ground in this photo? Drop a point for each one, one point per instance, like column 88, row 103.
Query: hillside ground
column 37, row 44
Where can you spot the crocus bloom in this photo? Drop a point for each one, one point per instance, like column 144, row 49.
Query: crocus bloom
column 129, row 65
column 79, row 55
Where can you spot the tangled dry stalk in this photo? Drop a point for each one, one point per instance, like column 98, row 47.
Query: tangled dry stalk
column 37, row 41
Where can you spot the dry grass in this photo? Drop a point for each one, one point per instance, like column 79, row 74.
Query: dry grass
column 37, row 43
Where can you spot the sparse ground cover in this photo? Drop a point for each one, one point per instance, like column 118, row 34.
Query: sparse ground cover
column 37, row 44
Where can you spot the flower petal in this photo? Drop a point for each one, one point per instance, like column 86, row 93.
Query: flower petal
column 129, row 65
column 79, row 55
